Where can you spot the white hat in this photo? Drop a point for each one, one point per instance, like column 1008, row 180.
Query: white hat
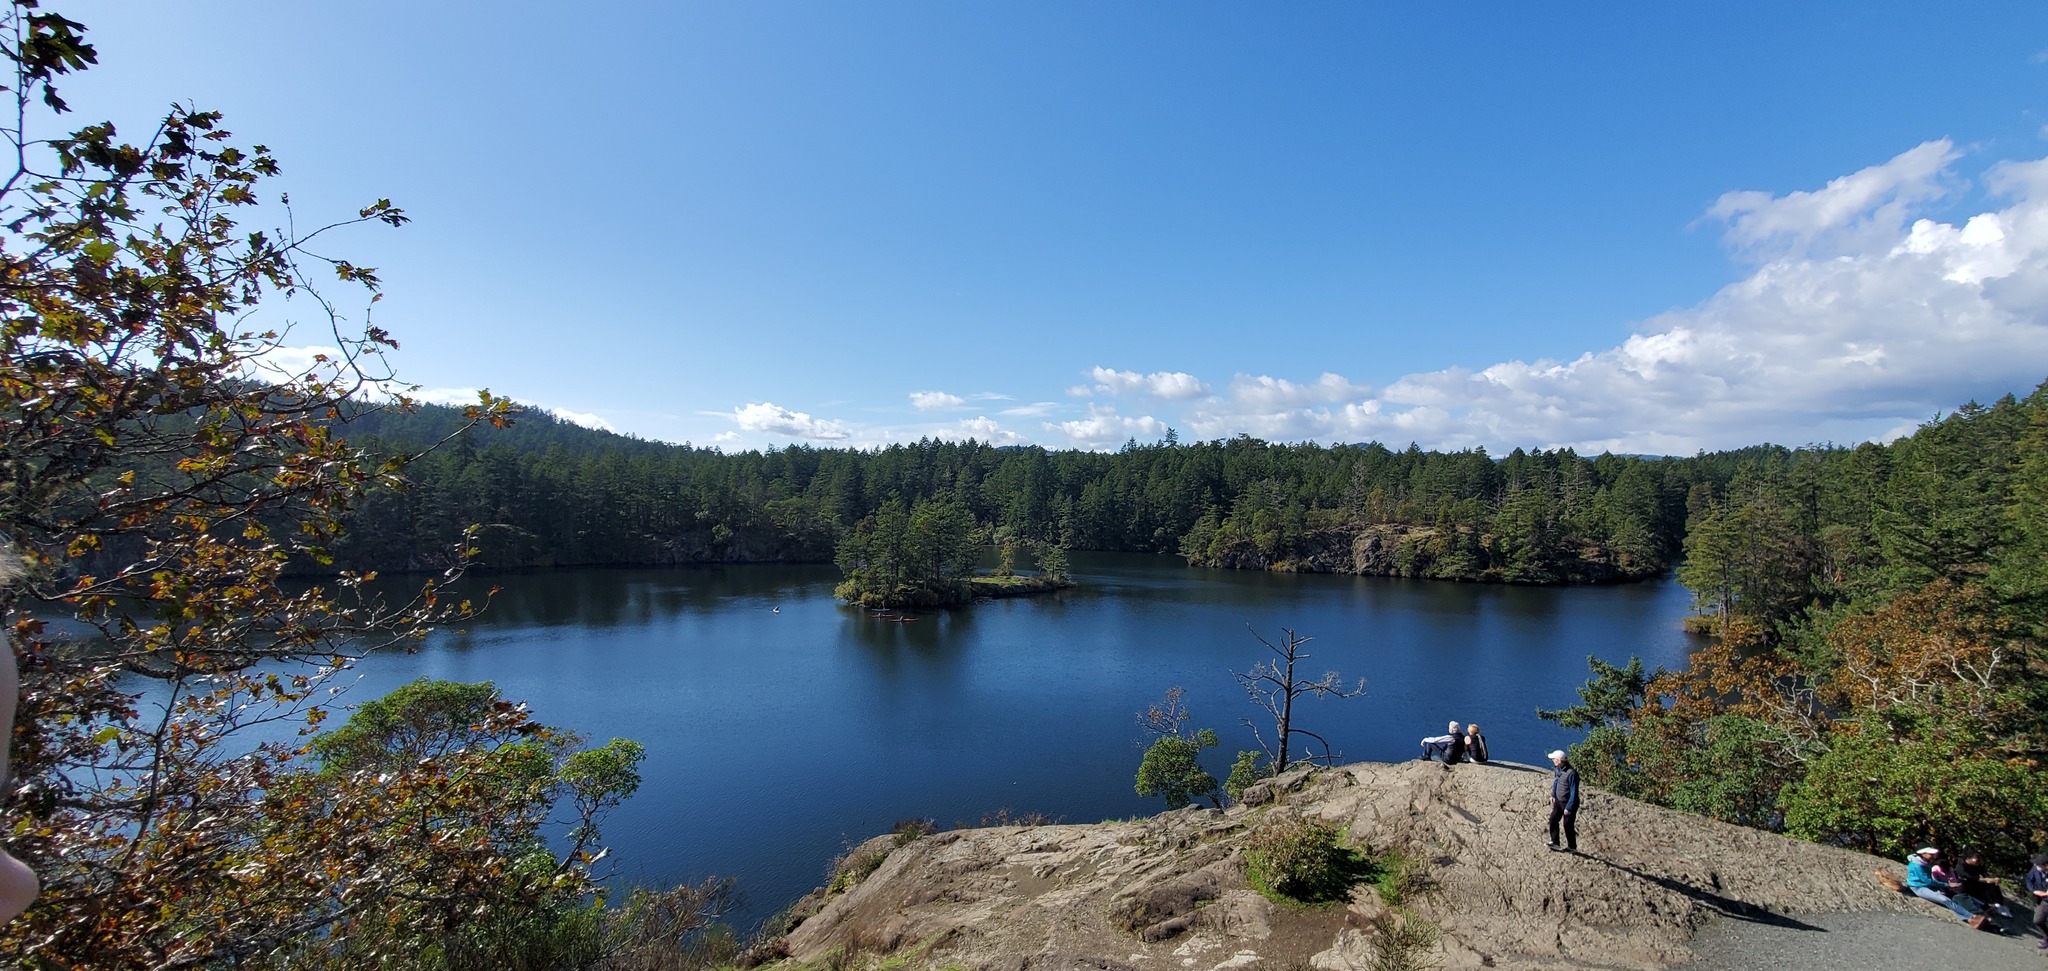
column 1927, row 851
column 1558, row 754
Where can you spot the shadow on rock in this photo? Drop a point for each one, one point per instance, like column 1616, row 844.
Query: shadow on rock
column 1725, row 906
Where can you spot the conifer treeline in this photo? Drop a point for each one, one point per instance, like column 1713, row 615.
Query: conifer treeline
column 552, row 494
column 1879, row 678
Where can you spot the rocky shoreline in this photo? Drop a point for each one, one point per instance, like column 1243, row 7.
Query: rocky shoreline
column 1169, row 893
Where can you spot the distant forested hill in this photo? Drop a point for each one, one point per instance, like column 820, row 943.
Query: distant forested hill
column 550, row 493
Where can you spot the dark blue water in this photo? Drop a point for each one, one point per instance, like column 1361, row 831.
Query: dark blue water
column 775, row 738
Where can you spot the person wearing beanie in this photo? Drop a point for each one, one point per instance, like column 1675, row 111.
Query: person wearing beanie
column 2037, row 887
column 1564, row 802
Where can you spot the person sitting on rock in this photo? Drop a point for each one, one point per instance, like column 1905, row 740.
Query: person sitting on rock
column 1475, row 744
column 1450, row 748
column 1974, row 879
column 1921, row 880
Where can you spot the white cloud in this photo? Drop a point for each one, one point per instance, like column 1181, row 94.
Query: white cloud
column 1865, row 322
column 1036, row 409
column 453, row 397
column 1264, row 391
column 1849, row 213
column 777, row 420
column 725, row 437
column 1104, row 428
column 1167, row 385
column 981, row 429
column 934, row 400
column 585, row 419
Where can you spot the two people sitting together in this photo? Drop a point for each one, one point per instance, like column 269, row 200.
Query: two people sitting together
column 1966, row 890
column 1456, row 746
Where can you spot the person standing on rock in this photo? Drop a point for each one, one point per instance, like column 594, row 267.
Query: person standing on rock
column 2037, row 887
column 1564, row 802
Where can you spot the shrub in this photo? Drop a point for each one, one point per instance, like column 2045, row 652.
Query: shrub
column 1004, row 817
column 853, row 866
column 1249, row 769
column 1399, row 878
column 1301, row 859
column 1172, row 769
column 912, row 830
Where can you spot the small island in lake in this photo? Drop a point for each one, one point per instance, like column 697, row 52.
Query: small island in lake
column 924, row 555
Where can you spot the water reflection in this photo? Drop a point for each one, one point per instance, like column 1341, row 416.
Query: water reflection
column 780, row 724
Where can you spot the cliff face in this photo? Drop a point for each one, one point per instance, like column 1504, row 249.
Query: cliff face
column 1169, row 893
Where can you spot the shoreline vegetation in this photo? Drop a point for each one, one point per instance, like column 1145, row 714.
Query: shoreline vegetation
column 967, row 591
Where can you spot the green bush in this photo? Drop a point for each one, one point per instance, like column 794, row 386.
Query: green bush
column 912, row 830
column 853, row 867
column 1249, row 769
column 1302, row 859
column 1172, row 769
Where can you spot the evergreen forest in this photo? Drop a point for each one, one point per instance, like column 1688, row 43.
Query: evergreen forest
column 1872, row 673
column 1876, row 676
column 545, row 493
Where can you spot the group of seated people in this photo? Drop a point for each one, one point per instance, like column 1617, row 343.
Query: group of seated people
column 1456, row 746
column 1965, row 887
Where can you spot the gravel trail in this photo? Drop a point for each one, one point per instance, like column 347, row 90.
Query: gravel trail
column 1860, row 942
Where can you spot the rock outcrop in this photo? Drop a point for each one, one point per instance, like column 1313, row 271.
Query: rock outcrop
column 1169, row 892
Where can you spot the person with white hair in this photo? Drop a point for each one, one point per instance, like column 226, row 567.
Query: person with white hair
column 1449, row 747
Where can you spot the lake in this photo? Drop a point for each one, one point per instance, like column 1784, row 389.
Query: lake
column 781, row 726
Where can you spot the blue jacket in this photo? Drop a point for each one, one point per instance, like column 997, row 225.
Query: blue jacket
column 1564, row 787
column 1918, row 875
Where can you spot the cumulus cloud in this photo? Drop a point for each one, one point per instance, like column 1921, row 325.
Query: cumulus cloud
column 1863, row 322
column 774, row 419
column 583, row 418
column 935, row 400
column 1104, row 428
column 981, row 429
column 1266, row 392
column 1167, row 385
column 1851, row 213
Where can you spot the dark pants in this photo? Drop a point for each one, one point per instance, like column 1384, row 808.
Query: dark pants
column 1436, row 751
column 2041, row 918
column 1571, row 825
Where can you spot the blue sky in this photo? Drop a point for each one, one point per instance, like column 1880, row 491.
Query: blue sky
column 1628, row 227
